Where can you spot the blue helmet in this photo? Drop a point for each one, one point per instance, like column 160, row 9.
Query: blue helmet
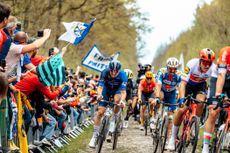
column 115, row 65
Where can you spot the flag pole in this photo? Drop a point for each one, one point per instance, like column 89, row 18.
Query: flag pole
column 68, row 44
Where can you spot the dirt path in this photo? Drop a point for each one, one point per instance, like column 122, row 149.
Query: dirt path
column 132, row 140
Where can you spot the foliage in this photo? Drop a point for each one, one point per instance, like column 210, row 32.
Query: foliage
column 114, row 30
column 210, row 30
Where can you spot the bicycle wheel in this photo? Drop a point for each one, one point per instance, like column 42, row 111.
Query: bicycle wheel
column 190, row 142
column 163, row 134
column 116, row 133
column 220, row 145
column 146, row 125
column 156, row 135
column 102, row 134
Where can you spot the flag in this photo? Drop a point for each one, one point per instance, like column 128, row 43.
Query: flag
column 76, row 31
column 96, row 61
column 181, row 62
column 52, row 71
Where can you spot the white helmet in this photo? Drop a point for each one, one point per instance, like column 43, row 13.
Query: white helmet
column 129, row 73
column 172, row 62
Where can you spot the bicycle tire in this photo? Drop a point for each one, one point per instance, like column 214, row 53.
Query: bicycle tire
column 194, row 141
column 102, row 134
column 116, row 133
column 164, row 134
column 156, row 137
column 146, row 125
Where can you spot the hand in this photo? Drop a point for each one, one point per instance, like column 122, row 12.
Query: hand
column 47, row 33
column 181, row 102
column 46, row 119
column 64, row 49
column 139, row 101
column 99, row 97
column 220, row 97
column 157, row 99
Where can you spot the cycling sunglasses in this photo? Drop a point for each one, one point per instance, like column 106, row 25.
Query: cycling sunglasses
column 206, row 63
column 149, row 78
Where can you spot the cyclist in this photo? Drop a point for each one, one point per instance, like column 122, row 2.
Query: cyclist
column 146, row 94
column 129, row 91
column 193, row 82
column 168, row 79
column 112, row 82
column 222, row 86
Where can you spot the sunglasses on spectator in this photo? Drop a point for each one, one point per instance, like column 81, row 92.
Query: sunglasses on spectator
column 149, row 78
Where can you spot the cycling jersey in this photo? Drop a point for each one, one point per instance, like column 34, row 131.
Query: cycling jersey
column 129, row 89
column 169, row 82
column 224, row 63
column 147, row 88
column 193, row 75
column 113, row 84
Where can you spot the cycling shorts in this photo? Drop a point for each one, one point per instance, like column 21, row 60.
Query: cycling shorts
column 196, row 89
column 106, row 95
column 128, row 96
column 145, row 97
column 170, row 98
column 212, row 92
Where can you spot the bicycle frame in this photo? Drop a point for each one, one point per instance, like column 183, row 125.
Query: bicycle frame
column 228, row 119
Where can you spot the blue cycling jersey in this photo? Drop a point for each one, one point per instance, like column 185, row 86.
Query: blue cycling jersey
column 113, row 84
column 169, row 83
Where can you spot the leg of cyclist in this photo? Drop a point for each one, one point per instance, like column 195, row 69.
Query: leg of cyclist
column 153, row 113
column 212, row 116
column 97, row 120
column 176, row 124
column 134, row 105
column 170, row 97
column 142, row 112
column 129, row 109
column 144, row 99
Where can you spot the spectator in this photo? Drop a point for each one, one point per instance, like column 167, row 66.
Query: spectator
column 4, row 15
column 3, row 85
column 16, row 49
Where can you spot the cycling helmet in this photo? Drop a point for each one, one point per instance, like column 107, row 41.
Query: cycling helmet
column 172, row 62
column 148, row 74
column 129, row 73
column 115, row 65
column 207, row 54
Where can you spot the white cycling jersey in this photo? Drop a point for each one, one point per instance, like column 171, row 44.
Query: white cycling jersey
column 193, row 75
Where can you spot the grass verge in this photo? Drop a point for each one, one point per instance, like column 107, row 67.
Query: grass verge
column 79, row 143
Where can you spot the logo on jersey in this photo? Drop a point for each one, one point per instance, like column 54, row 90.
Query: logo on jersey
column 186, row 70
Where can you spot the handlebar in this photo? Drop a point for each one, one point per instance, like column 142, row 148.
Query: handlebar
column 189, row 99
column 221, row 103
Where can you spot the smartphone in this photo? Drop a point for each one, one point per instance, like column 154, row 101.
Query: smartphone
column 3, row 63
column 40, row 33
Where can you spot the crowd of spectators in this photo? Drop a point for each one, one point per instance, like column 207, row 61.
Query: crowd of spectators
column 51, row 106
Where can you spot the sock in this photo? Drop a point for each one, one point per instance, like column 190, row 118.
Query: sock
column 174, row 132
column 95, row 130
column 206, row 141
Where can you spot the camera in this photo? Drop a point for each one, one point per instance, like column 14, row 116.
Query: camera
column 3, row 63
column 40, row 33
column 19, row 26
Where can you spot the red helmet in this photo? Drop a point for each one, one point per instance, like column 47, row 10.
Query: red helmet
column 207, row 54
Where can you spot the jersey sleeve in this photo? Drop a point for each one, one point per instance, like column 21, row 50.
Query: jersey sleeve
column 101, row 81
column 159, row 76
column 124, row 79
column 187, row 71
column 222, row 62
